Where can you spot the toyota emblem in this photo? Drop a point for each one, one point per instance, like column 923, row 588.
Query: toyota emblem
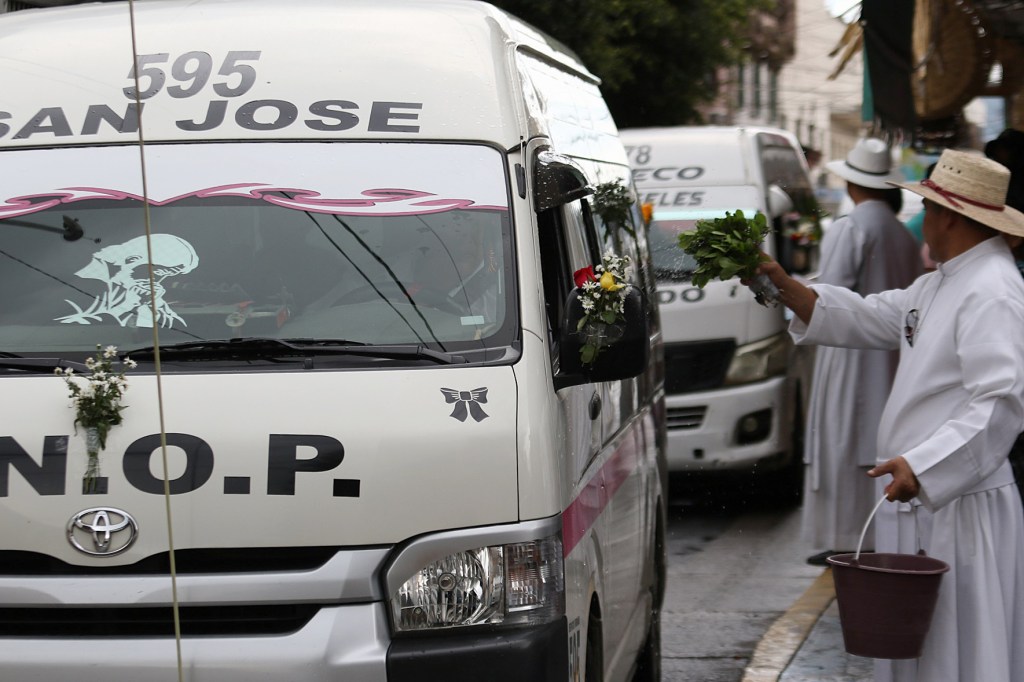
column 102, row 531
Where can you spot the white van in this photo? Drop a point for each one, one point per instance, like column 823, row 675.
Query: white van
column 735, row 383
column 339, row 240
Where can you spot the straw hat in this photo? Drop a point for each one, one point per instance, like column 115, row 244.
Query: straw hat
column 972, row 186
column 869, row 164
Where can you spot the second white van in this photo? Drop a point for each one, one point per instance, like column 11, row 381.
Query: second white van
column 735, row 383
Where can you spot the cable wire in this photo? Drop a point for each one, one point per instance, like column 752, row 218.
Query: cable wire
column 156, row 350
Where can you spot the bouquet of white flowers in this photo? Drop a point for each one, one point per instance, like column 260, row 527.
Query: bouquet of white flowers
column 97, row 402
column 602, row 293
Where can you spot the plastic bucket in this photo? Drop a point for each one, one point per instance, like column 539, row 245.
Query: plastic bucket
column 886, row 601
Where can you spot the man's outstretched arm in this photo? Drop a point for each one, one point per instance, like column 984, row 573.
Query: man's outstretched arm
column 794, row 295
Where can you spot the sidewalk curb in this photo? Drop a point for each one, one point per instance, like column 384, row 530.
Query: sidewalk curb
column 784, row 638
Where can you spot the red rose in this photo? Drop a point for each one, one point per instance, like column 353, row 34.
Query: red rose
column 584, row 275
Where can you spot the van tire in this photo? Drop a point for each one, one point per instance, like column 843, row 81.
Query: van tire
column 594, row 656
column 648, row 662
column 659, row 567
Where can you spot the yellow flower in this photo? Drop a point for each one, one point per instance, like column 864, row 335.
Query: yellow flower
column 608, row 282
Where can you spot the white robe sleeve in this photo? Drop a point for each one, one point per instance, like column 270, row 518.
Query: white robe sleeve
column 974, row 442
column 845, row 319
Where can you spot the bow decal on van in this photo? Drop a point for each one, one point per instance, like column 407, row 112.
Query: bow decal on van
column 466, row 401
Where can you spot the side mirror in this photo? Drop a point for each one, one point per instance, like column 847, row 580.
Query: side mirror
column 779, row 202
column 626, row 358
column 557, row 181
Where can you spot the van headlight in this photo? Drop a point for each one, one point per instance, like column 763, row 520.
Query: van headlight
column 514, row 584
column 759, row 360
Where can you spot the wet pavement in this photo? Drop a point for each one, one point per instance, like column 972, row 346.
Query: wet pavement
column 743, row 605
column 806, row 643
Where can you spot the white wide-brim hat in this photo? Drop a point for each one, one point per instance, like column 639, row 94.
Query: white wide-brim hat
column 869, row 164
column 972, row 186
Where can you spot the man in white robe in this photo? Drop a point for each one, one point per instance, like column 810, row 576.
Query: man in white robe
column 867, row 251
column 956, row 406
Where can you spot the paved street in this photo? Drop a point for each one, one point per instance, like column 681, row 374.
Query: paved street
column 734, row 573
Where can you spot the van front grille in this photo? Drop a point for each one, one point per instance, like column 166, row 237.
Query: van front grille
column 685, row 417
column 106, row 622
column 225, row 560
column 700, row 366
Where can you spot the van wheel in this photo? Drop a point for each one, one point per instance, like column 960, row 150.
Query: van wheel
column 594, row 659
column 648, row 663
column 660, row 558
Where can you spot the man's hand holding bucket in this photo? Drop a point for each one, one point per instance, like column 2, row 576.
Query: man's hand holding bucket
column 904, row 485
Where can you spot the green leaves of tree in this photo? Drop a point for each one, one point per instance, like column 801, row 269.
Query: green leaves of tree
column 725, row 247
column 656, row 58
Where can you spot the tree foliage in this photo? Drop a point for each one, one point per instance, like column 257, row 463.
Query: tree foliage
column 656, row 58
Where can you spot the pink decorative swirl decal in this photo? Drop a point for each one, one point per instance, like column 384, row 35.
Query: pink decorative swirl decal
column 378, row 202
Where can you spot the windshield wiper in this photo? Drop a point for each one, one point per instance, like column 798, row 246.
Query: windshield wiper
column 270, row 348
column 38, row 365
column 71, row 229
column 673, row 275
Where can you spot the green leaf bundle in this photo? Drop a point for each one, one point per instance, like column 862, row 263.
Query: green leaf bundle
column 725, row 247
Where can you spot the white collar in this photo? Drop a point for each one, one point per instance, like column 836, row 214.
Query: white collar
column 954, row 265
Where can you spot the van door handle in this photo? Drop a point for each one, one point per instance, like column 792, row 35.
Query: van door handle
column 595, row 406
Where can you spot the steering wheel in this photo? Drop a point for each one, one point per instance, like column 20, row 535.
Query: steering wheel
column 394, row 291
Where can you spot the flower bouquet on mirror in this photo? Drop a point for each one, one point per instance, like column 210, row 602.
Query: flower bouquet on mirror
column 729, row 247
column 613, row 202
column 602, row 293
column 96, row 399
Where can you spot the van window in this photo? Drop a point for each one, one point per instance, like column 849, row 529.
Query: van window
column 290, row 243
column 578, row 120
column 784, row 166
column 555, row 273
column 671, row 263
column 645, row 278
column 567, row 240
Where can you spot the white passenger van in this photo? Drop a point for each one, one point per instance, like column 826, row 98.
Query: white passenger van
column 339, row 240
column 735, row 383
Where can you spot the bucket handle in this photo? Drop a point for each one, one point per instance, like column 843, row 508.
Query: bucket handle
column 867, row 523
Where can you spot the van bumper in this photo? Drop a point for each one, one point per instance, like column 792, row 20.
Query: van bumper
column 340, row 643
column 534, row 653
column 704, row 431
column 347, row 642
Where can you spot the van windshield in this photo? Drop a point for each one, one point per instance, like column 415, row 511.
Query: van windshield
column 671, row 263
column 377, row 244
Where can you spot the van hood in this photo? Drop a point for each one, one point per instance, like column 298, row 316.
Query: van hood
column 721, row 310
column 283, row 459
